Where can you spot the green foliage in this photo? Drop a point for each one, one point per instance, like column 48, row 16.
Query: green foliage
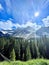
column 23, row 49
column 30, row 62
column 28, row 53
column 12, row 55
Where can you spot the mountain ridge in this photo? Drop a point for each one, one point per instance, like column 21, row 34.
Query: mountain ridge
column 28, row 32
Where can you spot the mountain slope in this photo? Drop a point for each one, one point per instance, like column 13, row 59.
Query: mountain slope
column 1, row 34
column 43, row 31
column 27, row 32
column 22, row 32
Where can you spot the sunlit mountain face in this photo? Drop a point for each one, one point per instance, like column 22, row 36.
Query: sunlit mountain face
column 24, row 17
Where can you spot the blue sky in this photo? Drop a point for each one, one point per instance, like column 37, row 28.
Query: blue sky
column 20, row 13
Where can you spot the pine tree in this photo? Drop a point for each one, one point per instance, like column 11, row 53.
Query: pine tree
column 27, row 53
column 12, row 55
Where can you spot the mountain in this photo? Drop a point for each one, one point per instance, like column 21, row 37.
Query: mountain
column 43, row 31
column 4, row 35
column 22, row 32
column 27, row 32
column 1, row 34
column 19, row 32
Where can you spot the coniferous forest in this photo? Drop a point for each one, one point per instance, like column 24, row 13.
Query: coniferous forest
column 23, row 49
column 24, row 32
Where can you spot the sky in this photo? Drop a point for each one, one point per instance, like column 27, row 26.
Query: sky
column 24, row 13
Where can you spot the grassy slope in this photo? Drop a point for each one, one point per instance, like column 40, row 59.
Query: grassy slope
column 30, row 62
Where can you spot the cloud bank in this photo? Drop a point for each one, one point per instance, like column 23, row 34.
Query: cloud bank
column 8, row 25
column 1, row 8
column 46, row 21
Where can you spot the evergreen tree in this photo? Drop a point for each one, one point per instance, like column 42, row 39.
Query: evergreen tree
column 17, row 49
column 27, row 54
column 12, row 55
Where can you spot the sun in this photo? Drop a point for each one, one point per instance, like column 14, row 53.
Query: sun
column 36, row 14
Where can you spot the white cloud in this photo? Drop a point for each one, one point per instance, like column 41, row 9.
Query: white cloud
column 1, row 8
column 7, row 25
column 31, row 24
column 25, row 25
column 46, row 21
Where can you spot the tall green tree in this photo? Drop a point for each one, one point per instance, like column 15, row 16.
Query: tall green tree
column 27, row 54
column 12, row 55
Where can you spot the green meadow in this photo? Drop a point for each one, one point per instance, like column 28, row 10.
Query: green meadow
column 30, row 62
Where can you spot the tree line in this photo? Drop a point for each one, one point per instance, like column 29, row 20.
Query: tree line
column 22, row 49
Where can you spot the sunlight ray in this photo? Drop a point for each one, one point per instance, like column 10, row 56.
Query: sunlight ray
column 41, row 3
column 45, row 4
column 33, row 6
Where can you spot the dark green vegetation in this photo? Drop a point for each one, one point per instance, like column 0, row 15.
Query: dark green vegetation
column 30, row 62
column 21, row 49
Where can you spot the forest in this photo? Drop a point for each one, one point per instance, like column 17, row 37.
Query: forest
column 24, row 49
